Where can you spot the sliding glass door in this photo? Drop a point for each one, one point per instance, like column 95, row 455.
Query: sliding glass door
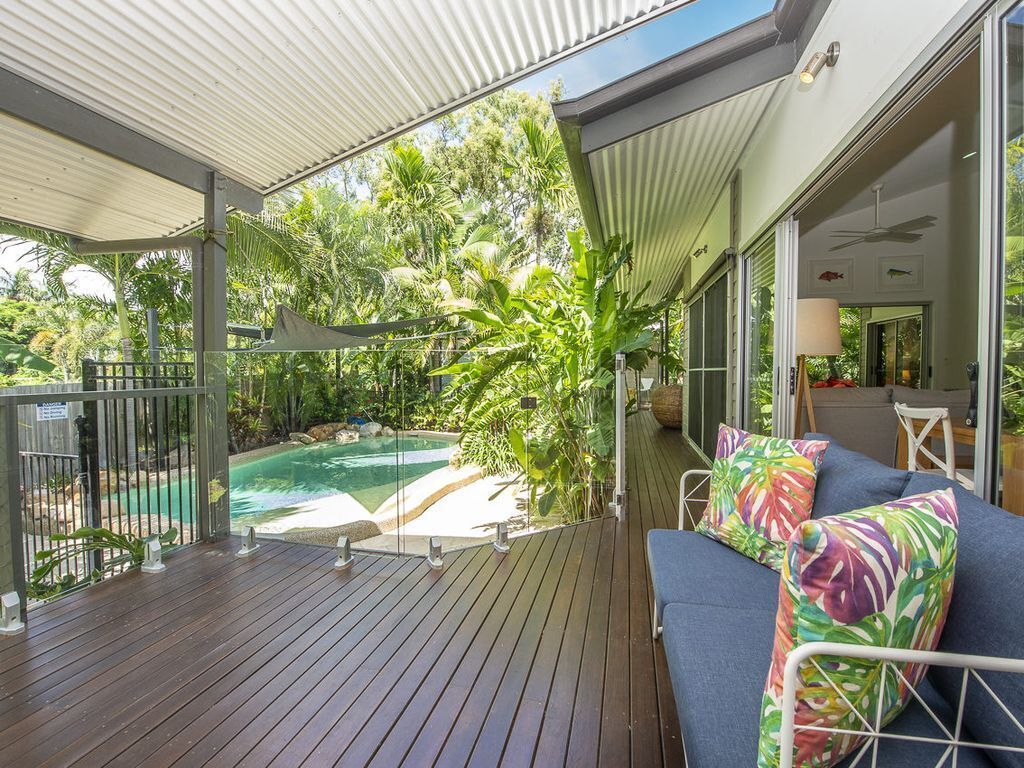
column 1007, row 445
column 707, row 376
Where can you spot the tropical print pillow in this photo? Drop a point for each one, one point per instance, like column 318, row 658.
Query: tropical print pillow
column 878, row 576
column 762, row 488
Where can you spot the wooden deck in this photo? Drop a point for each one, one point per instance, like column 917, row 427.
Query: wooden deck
column 539, row 657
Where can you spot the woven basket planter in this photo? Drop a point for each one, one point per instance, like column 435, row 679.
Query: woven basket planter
column 667, row 406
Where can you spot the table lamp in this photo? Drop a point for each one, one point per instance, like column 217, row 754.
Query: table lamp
column 817, row 334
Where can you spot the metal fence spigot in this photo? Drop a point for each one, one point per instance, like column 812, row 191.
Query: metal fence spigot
column 249, row 543
column 154, row 562
column 10, row 614
column 434, row 555
column 501, row 538
column 345, row 558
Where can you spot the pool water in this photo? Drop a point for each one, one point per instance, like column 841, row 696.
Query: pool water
column 270, row 487
column 370, row 471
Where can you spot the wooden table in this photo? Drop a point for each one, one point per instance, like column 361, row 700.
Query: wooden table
column 1013, row 459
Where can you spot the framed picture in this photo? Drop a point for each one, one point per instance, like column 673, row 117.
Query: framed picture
column 898, row 274
column 828, row 277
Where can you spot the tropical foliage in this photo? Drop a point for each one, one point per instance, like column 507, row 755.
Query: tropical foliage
column 553, row 343
column 120, row 550
column 880, row 576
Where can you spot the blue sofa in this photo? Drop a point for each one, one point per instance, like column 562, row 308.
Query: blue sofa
column 716, row 612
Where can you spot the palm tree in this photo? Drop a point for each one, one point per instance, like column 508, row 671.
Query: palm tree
column 416, row 196
column 543, row 169
column 56, row 257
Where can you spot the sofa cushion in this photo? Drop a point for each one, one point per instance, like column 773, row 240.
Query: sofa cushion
column 688, row 567
column 762, row 488
column 848, row 480
column 718, row 658
column 882, row 575
column 985, row 613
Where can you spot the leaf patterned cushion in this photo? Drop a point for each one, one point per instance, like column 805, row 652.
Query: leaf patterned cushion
column 882, row 576
column 762, row 488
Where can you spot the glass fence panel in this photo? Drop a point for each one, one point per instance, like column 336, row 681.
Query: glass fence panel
column 312, row 453
column 462, row 473
column 396, row 444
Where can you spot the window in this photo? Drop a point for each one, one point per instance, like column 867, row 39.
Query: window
column 760, row 339
column 708, row 360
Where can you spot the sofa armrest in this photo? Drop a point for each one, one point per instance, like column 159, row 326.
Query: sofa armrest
column 694, row 487
column 971, row 665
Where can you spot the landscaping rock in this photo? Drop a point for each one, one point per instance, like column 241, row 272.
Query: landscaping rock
column 455, row 458
column 370, row 429
column 301, row 437
column 344, row 436
column 387, row 432
column 324, row 432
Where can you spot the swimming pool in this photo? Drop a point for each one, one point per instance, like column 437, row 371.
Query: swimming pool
column 284, row 482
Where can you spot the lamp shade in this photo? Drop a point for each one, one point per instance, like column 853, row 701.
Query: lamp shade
column 817, row 327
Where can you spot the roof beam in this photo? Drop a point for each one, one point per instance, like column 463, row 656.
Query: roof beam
column 757, row 69
column 42, row 107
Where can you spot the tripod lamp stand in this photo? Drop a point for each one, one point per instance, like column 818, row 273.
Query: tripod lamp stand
column 817, row 334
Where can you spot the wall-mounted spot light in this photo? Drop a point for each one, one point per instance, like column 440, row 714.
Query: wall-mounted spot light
column 819, row 60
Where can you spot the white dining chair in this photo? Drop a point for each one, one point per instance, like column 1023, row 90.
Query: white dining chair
column 919, row 440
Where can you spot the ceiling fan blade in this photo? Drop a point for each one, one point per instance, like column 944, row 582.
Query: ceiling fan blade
column 847, row 244
column 900, row 237
column 921, row 222
column 849, row 233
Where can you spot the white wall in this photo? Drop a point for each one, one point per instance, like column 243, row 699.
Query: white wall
column 806, row 127
column 716, row 235
column 950, row 251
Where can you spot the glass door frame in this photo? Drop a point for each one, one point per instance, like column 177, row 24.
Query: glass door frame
column 992, row 263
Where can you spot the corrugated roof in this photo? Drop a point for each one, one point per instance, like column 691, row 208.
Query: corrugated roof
column 267, row 92
column 49, row 182
column 657, row 188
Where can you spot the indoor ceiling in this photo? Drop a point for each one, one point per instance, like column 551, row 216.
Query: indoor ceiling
column 937, row 140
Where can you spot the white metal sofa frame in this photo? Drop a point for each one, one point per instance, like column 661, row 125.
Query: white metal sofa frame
column 694, row 486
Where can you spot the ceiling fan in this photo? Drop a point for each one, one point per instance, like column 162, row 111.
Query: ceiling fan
column 904, row 232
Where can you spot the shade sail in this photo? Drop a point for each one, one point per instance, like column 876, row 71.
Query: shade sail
column 264, row 91
column 294, row 333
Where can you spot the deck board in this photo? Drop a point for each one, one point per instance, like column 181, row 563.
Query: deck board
column 540, row 657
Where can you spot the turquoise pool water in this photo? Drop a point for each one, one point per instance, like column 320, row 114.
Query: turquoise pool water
column 272, row 486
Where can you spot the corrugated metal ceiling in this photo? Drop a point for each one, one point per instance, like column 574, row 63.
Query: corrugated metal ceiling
column 268, row 91
column 49, row 182
column 657, row 188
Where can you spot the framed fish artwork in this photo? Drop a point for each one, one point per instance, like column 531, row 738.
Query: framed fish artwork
column 828, row 277
column 899, row 274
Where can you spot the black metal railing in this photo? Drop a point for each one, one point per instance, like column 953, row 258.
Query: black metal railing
column 138, row 454
column 52, row 503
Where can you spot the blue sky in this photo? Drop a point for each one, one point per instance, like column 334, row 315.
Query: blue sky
column 646, row 44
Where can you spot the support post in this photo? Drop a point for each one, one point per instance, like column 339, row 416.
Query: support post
column 618, row 504
column 89, row 460
column 12, row 549
column 209, row 321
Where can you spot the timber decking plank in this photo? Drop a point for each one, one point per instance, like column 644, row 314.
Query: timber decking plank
column 177, row 677
column 508, row 573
